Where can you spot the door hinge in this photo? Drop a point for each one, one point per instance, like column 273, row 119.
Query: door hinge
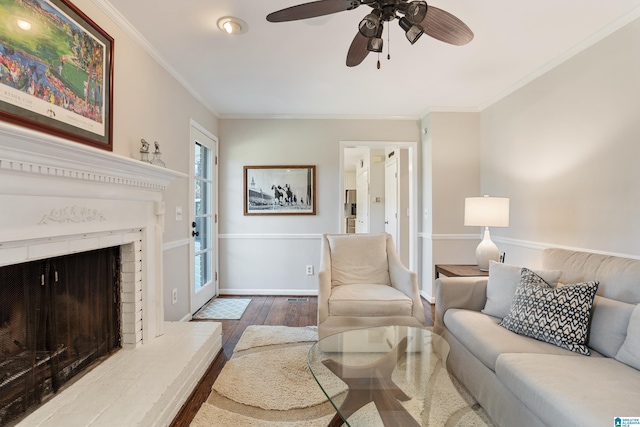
column 216, row 276
column 215, row 218
column 216, row 160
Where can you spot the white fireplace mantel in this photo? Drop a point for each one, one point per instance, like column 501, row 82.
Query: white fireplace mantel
column 60, row 197
column 23, row 151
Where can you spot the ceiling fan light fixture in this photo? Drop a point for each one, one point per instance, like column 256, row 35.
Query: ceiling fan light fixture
column 413, row 32
column 416, row 11
column 369, row 25
column 374, row 44
column 232, row 26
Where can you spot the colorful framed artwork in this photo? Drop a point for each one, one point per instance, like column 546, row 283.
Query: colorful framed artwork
column 56, row 71
column 279, row 190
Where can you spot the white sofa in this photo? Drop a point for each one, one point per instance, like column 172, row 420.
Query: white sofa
column 521, row 381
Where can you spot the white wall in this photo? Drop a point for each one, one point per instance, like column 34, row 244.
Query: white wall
column 149, row 103
column 565, row 148
column 268, row 255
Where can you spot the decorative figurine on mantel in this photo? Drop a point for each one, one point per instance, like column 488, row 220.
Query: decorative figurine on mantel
column 144, row 151
column 156, row 156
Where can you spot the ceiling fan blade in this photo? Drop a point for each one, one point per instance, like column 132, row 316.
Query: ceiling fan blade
column 312, row 10
column 358, row 50
column 445, row 27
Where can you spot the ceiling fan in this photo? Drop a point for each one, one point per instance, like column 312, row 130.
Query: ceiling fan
column 414, row 17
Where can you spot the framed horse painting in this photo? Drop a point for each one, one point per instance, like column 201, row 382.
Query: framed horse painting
column 279, row 190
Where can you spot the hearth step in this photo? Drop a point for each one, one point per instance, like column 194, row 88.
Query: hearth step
column 297, row 299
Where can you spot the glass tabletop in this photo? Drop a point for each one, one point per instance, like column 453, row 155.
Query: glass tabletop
column 379, row 375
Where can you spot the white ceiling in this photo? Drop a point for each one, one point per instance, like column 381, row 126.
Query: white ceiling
column 298, row 68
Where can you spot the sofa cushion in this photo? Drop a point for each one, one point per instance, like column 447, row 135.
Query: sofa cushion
column 609, row 321
column 571, row 391
column 619, row 277
column 502, row 284
column 559, row 316
column 359, row 258
column 366, row 300
column 629, row 353
column 486, row 340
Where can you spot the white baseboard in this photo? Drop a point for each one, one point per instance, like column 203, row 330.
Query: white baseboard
column 186, row 318
column 270, row 292
column 430, row 299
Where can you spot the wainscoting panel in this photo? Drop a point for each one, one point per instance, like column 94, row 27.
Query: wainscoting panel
column 269, row 264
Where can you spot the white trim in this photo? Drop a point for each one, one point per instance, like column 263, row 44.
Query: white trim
column 270, row 236
column 269, row 292
column 186, row 318
column 23, row 151
column 429, row 298
column 175, row 244
column 585, row 44
column 141, row 41
column 451, row 236
column 315, row 117
column 527, row 244
column 541, row 246
column 196, row 300
column 430, row 110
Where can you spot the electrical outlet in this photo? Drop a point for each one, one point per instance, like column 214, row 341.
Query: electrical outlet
column 174, row 296
column 309, row 270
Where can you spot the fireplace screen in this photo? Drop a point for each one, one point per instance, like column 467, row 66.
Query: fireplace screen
column 57, row 316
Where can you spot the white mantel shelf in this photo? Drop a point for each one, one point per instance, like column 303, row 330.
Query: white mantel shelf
column 23, row 151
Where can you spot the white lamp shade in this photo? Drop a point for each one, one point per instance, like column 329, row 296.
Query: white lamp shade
column 486, row 211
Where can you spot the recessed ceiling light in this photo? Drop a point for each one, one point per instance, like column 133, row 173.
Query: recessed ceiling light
column 232, row 25
column 25, row 25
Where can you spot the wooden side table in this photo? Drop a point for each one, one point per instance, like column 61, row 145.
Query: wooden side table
column 459, row 270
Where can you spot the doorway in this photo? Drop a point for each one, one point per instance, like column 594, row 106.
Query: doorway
column 406, row 206
column 203, row 247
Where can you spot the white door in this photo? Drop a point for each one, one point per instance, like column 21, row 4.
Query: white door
column 362, row 202
column 391, row 199
column 203, row 247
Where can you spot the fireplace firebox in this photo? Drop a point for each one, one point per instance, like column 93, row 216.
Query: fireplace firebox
column 57, row 317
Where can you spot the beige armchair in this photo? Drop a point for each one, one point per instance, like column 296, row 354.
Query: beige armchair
column 362, row 283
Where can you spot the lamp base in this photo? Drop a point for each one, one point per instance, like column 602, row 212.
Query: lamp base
column 486, row 251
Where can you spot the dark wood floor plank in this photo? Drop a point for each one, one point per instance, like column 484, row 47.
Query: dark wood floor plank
column 263, row 310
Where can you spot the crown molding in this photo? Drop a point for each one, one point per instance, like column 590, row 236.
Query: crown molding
column 141, row 41
column 583, row 45
column 313, row 117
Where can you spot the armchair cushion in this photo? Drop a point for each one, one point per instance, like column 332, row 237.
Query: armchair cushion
column 359, row 259
column 366, row 300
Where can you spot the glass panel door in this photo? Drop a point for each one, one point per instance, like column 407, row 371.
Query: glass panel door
column 203, row 227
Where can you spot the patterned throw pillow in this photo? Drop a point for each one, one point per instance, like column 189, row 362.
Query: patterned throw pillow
column 558, row 316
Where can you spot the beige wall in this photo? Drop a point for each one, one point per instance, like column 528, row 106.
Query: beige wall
column 451, row 156
column 149, row 103
column 260, row 254
column 566, row 149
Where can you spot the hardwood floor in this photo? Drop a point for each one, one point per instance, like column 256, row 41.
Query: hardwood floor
column 262, row 310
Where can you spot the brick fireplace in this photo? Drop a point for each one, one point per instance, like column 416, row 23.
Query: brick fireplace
column 58, row 197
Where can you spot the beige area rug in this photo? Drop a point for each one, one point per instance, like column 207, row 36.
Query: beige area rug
column 267, row 383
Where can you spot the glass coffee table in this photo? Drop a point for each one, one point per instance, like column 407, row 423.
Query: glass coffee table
column 386, row 370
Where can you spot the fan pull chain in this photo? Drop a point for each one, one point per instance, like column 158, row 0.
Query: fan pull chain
column 388, row 45
column 378, row 61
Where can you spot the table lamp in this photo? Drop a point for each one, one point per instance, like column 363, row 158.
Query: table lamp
column 486, row 212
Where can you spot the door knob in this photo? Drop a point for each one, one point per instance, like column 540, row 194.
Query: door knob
column 193, row 224
column 195, row 233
